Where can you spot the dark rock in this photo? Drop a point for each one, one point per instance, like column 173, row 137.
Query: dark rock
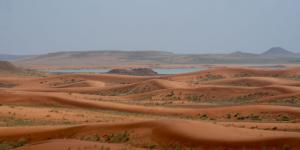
column 135, row 71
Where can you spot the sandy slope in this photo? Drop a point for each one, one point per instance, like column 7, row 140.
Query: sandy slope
column 167, row 133
column 46, row 99
column 226, row 72
column 231, row 107
column 255, row 81
column 65, row 144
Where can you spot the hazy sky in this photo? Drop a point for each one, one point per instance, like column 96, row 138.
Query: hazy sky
column 183, row 26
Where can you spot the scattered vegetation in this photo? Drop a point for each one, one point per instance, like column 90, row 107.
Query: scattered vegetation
column 7, row 85
column 150, row 147
column 286, row 147
column 292, row 100
column 240, row 75
column 172, row 95
column 117, row 138
column 13, row 144
column 13, row 121
column 182, row 148
column 293, row 77
column 209, row 77
column 249, row 97
column 238, row 116
column 195, row 98
column 94, row 138
column 283, row 118
column 109, row 138
column 203, row 116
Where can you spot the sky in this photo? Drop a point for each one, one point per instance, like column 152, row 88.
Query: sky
column 181, row 26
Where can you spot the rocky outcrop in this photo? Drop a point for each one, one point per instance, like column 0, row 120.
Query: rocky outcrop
column 135, row 71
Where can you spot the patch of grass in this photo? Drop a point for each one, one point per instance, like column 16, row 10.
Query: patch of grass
column 237, row 115
column 13, row 121
column 286, row 147
column 94, row 138
column 182, row 148
column 7, row 85
column 6, row 146
column 295, row 77
column 117, row 138
column 204, row 116
column 292, row 100
column 228, row 116
column 194, row 98
column 240, row 118
column 150, row 146
column 209, row 77
column 240, row 75
column 254, row 117
column 14, row 144
column 172, row 96
column 110, row 138
column 283, row 118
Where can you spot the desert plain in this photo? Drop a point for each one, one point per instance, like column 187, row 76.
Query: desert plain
column 222, row 108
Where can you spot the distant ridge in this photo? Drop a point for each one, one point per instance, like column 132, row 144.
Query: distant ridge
column 277, row 51
column 242, row 54
column 9, row 57
column 148, row 59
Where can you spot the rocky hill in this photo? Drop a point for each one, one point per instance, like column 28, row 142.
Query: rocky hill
column 278, row 52
column 94, row 59
column 8, row 67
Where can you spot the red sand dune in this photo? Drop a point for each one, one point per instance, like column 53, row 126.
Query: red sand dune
column 231, row 108
column 167, row 133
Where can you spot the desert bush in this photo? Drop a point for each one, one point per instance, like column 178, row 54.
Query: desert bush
column 13, row 144
column 117, row 138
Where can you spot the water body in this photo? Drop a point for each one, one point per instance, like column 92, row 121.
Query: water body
column 159, row 71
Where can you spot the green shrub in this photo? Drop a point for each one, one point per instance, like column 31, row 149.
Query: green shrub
column 118, row 138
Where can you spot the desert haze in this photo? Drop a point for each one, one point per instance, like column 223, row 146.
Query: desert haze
column 149, row 75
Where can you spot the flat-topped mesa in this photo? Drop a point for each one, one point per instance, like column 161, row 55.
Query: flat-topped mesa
column 135, row 71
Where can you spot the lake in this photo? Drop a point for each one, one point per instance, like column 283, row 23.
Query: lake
column 159, row 71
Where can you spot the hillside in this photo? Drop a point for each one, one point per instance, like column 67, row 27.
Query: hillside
column 278, row 52
column 7, row 67
column 9, row 57
column 111, row 59
column 96, row 58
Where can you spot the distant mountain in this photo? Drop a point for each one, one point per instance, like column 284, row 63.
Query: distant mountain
column 8, row 57
column 112, row 59
column 278, row 52
column 96, row 58
column 241, row 54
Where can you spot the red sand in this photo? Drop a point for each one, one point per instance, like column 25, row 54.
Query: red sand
column 231, row 108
